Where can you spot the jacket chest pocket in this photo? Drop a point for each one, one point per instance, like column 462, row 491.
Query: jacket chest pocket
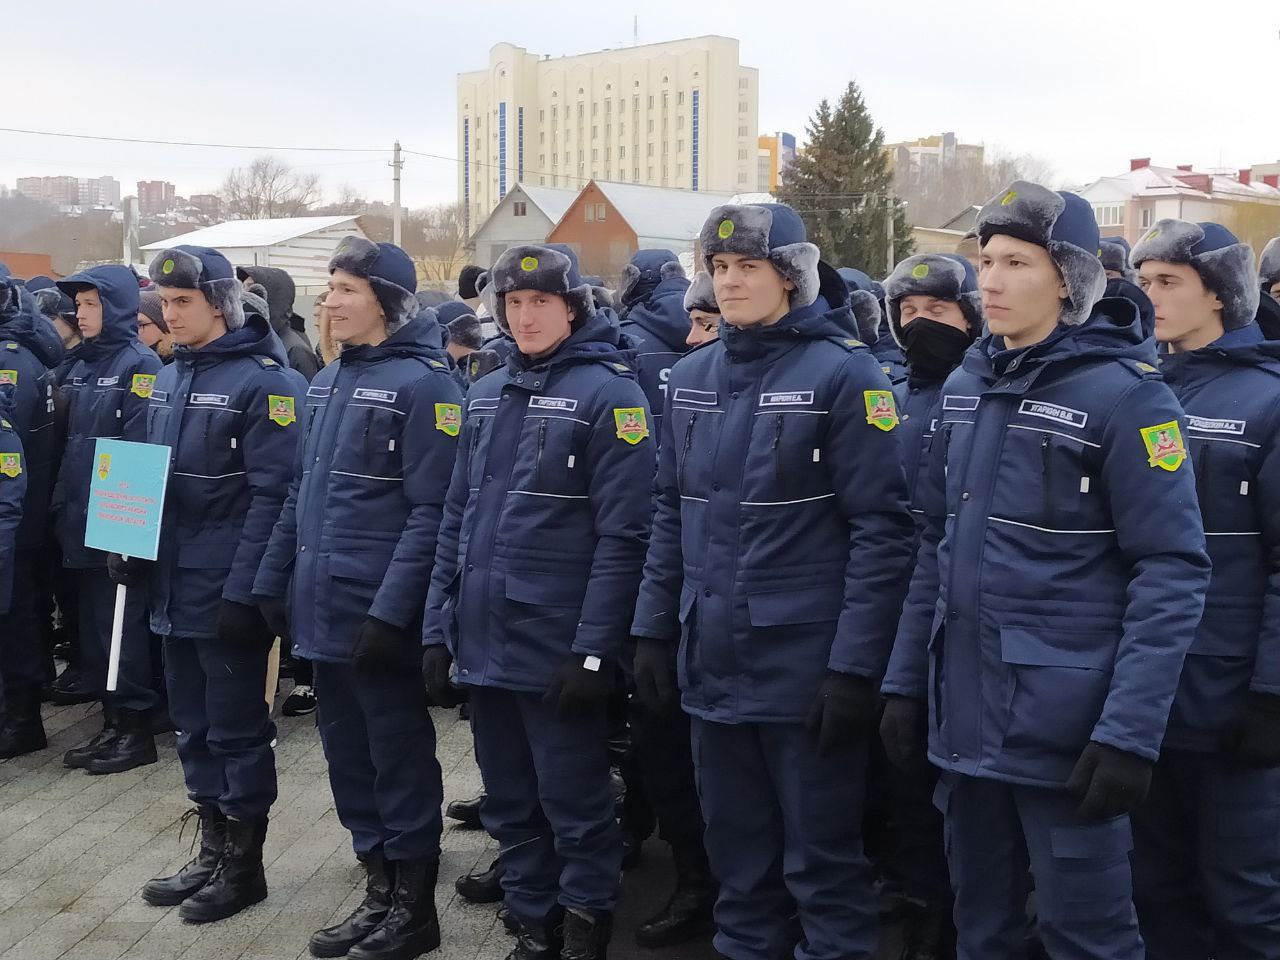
column 694, row 435
column 369, row 441
column 1225, row 484
column 106, row 414
column 158, row 415
column 475, row 443
column 209, row 444
column 1053, row 480
column 955, row 437
column 786, row 457
column 551, row 457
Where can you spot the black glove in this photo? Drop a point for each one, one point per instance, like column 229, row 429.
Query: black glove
column 1254, row 739
column 436, row 661
column 1108, row 782
column 242, row 625
column 842, row 712
column 655, row 674
column 904, row 731
column 275, row 612
column 577, row 692
column 381, row 648
column 129, row 571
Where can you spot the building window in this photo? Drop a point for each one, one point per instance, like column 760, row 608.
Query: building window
column 635, row 174
column 680, row 122
column 1109, row 214
column 595, row 108
column 679, row 170
column 635, row 101
column 580, row 111
column 742, row 154
column 742, row 179
column 542, row 116
column 742, row 106
column 742, row 83
column 664, row 99
column 542, row 159
column 651, row 101
column 595, row 154
column 1146, row 218
column 589, row 212
column 599, row 211
column 651, row 126
column 622, row 153
column 519, row 208
column 679, row 146
column 680, row 98
column 742, row 131
column 555, row 113
column 649, row 150
column 542, row 181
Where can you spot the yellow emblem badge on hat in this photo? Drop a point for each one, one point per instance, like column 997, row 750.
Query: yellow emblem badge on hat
column 920, row 271
column 167, row 267
column 1008, row 198
column 726, row 229
column 529, row 264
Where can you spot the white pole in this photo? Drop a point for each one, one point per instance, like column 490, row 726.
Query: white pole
column 273, row 673
column 396, row 163
column 117, row 633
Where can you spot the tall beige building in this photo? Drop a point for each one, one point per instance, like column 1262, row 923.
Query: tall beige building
column 681, row 114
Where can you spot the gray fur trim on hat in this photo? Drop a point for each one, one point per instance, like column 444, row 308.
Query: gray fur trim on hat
column 748, row 236
column 604, row 298
column 529, row 267
column 178, row 268
column 866, row 312
column 1269, row 263
column 1228, row 271
column 701, row 294
column 942, row 278
column 465, row 332
column 1085, row 279
column 255, row 303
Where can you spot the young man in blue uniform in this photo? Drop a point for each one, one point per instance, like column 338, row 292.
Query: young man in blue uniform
column 109, row 388
column 29, row 352
column 353, row 553
column 13, row 492
column 226, row 409
column 1057, row 586
column 780, row 548
column 1206, row 848
column 540, row 555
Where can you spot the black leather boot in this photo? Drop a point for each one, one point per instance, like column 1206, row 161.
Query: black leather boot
column 538, row 940
column 335, row 941
column 70, row 688
column 687, row 914
column 482, row 887
column 23, row 730
column 134, row 745
column 411, row 928
column 171, row 891
column 586, row 934
column 100, row 741
column 466, row 812
column 929, row 932
column 238, row 880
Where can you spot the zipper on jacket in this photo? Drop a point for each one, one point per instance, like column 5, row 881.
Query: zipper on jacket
column 368, row 422
column 777, row 454
column 537, row 463
column 1046, row 467
column 684, row 454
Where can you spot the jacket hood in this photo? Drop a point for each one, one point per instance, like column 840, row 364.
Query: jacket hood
column 280, row 293
column 420, row 337
column 22, row 321
column 1245, row 347
column 662, row 314
column 817, row 321
column 118, row 290
column 1112, row 331
column 254, row 339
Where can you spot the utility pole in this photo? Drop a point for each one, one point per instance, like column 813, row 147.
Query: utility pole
column 396, row 164
column 888, row 231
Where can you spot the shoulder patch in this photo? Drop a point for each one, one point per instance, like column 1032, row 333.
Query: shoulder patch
column 280, row 410
column 632, row 424
column 882, row 409
column 449, row 418
column 8, row 378
column 143, row 385
column 10, row 464
column 1165, row 448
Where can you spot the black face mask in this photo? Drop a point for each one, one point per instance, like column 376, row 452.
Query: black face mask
column 933, row 349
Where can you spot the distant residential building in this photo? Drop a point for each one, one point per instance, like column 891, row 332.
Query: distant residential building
column 925, row 159
column 155, row 197
column 63, row 191
column 681, row 114
column 525, row 215
column 208, row 204
column 99, row 192
column 1129, row 203
column 775, row 154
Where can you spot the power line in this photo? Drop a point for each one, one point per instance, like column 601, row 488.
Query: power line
column 185, row 143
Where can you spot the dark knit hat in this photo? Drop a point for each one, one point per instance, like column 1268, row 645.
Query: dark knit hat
column 152, row 307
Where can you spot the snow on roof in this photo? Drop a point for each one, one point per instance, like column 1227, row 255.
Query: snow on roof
column 252, row 233
column 553, row 201
column 660, row 214
column 1152, row 181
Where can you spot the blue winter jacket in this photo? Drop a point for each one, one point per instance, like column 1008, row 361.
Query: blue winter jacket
column 108, row 391
column 357, row 535
column 548, row 514
column 30, row 349
column 889, row 354
column 920, row 401
column 781, row 536
column 658, row 325
column 229, row 413
column 13, row 491
column 1062, row 572
column 1231, row 393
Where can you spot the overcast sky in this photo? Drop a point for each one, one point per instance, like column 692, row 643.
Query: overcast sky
column 1085, row 84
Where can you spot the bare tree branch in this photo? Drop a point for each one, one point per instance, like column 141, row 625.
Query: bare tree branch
column 269, row 188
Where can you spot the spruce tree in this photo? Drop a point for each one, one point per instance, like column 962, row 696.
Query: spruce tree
column 841, row 185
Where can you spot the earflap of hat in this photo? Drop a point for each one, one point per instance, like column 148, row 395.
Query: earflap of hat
column 671, row 270
column 399, row 305
column 176, row 268
column 866, row 311
column 355, row 255
column 737, row 228
column 1085, row 279
column 1269, row 263
column 225, row 295
column 798, row 262
column 627, row 281
column 1024, row 210
column 1229, row 273
column 701, row 294
column 603, row 297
